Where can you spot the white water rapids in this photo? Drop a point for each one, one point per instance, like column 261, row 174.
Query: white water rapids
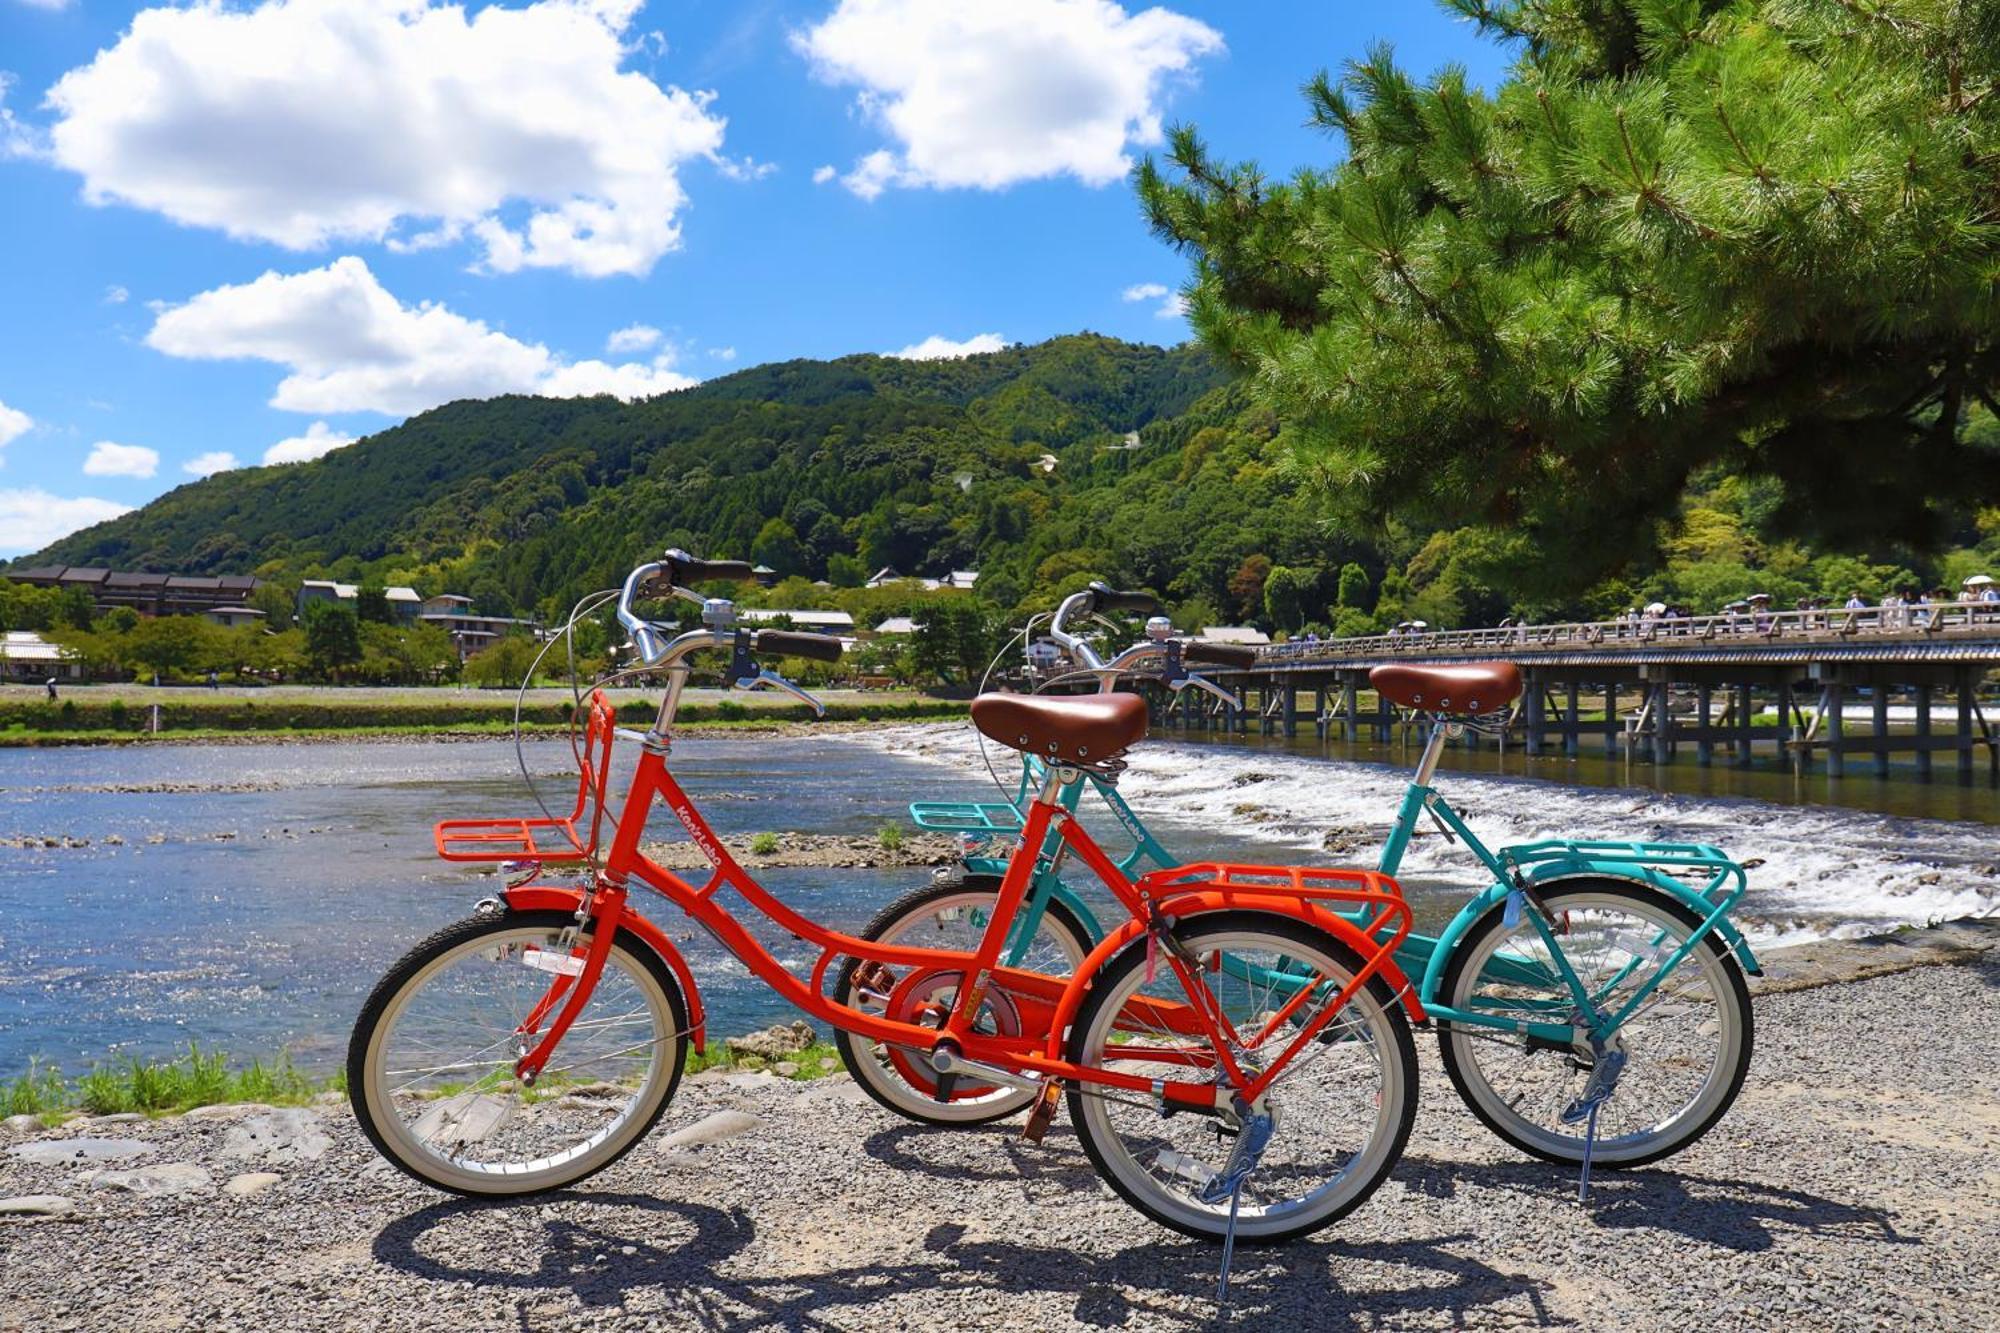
column 1816, row 871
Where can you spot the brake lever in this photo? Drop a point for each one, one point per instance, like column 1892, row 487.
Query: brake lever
column 765, row 677
column 1204, row 683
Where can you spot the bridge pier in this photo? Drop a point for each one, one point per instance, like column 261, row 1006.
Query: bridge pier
column 1704, row 748
column 1924, row 732
column 1291, row 697
column 1537, row 710
column 1570, row 718
column 1746, row 717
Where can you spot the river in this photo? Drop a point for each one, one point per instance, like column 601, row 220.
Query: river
column 246, row 896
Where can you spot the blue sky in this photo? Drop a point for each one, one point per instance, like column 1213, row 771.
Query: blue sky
column 233, row 234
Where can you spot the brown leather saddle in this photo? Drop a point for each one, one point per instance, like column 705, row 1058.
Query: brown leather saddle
column 1467, row 689
column 1090, row 731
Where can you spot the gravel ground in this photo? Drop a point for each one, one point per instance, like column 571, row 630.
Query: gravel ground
column 1854, row 1186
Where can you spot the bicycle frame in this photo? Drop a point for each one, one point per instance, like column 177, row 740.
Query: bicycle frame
column 1519, row 872
column 1046, row 1004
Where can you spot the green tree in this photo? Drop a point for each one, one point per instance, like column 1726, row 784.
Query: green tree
column 502, row 662
column 1758, row 233
column 371, row 604
column 1355, row 588
column 778, row 546
column 167, row 646
column 333, row 638
column 75, row 609
column 1289, row 595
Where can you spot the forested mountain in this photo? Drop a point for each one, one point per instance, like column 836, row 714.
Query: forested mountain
column 1039, row 466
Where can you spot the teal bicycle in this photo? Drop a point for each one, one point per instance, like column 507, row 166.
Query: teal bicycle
column 1590, row 1002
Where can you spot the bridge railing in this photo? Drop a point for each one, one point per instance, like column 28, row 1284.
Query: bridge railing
column 1911, row 623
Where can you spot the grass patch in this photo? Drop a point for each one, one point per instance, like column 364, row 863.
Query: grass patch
column 764, row 844
column 811, row 1061
column 890, row 837
column 162, row 1087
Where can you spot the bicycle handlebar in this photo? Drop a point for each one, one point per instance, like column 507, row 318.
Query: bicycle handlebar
column 1106, row 598
column 679, row 566
column 684, row 569
column 1218, row 654
column 785, row 643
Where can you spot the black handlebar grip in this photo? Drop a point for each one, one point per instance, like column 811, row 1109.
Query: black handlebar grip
column 1111, row 599
column 1219, row 654
column 819, row 647
column 687, row 572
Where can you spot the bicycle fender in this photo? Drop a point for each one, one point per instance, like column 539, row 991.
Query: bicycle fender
column 1197, row 902
column 561, row 898
column 1554, row 872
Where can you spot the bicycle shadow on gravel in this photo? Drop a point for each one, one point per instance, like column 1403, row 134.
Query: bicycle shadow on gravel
column 681, row 1251
column 1745, row 1216
column 987, row 1153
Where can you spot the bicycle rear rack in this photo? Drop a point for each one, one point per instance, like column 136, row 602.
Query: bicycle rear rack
column 1726, row 878
column 516, row 839
column 966, row 816
column 1368, row 889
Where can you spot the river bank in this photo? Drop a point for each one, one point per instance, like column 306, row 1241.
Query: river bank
column 139, row 714
column 1851, row 1187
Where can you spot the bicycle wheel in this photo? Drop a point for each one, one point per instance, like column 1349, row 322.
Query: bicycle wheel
column 1342, row 1110
column 430, row 1068
column 1687, row 1049
column 946, row 915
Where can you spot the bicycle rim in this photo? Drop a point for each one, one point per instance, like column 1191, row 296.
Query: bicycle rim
column 1686, row 1048
column 1342, row 1109
column 437, row 1088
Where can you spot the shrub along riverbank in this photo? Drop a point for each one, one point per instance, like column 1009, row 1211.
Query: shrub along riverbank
column 194, row 715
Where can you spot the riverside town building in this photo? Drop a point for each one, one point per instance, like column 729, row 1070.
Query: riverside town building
column 148, row 594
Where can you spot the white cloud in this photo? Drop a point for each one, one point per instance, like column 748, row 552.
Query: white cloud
column 985, row 93
column 939, row 348
column 14, row 423
column 1172, row 304
column 210, row 463
column 723, row 353
column 16, row 139
column 116, row 295
column 121, row 460
column 304, row 122
column 350, row 346
column 318, row 441
column 50, row 5
column 632, row 338
column 31, row 519
column 823, row 174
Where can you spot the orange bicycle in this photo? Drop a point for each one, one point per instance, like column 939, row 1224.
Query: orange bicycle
column 1236, row 1056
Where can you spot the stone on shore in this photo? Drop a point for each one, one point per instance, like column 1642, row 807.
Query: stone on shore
column 774, row 1042
column 37, row 1205
column 289, row 1135
column 251, row 1183
column 712, row 1129
column 152, row 1182
column 63, row 1152
column 22, row 1124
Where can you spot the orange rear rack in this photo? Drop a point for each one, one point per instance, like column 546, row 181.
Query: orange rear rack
column 1375, row 900
column 515, row 839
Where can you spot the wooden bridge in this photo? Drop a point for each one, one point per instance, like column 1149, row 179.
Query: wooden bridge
column 1734, row 682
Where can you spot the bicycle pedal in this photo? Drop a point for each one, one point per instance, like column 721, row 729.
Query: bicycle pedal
column 1044, row 1113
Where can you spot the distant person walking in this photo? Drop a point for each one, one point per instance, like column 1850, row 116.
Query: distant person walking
column 50, row 683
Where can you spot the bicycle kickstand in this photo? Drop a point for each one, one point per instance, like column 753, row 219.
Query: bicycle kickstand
column 1229, row 1245
column 1589, row 1149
